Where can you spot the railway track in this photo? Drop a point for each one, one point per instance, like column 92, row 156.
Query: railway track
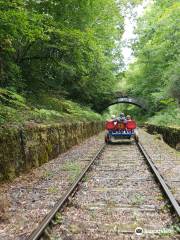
column 121, row 199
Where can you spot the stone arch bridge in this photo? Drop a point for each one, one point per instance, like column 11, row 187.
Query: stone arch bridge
column 121, row 98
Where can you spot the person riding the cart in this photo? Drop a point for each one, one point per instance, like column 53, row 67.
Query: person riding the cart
column 128, row 118
column 121, row 118
column 121, row 121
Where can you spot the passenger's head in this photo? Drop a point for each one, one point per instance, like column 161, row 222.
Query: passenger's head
column 128, row 117
column 113, row 117
column 122, row 115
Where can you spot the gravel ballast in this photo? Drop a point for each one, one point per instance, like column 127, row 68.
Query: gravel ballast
column 166, row 159
column 26, row 201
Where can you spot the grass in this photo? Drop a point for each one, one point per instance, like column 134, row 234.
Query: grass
column 171, row 231
column 73, row 170
column 138, row 199
column 48, row 174
column 17, row 109
column 58, row 218
column 53, row 190
column 167, row 117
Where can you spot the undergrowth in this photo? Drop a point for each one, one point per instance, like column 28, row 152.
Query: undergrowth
column 168, row 117
column 18, row 109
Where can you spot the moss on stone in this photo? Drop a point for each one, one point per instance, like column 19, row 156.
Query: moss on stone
column 171, row 135
column 33, row 145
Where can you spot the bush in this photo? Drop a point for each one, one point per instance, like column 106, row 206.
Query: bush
column 167, row 117
column 16, row 109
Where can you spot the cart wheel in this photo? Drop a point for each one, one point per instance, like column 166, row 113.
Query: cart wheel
column 107, row 140
column 136, row 138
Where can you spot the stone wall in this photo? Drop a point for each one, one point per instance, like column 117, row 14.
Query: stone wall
column 170, row 135
column 24, row 148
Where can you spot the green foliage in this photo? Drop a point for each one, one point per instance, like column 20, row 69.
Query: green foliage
column 170, row 116
column 158, row 47
column 19, row 30
column 154, row 76
column 174, row 85
column 12, row 98
column 73, row 170
column 14, row 109
column 66, row 46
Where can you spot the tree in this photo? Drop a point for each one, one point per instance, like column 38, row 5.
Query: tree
column 157, row 50
column 64, row 46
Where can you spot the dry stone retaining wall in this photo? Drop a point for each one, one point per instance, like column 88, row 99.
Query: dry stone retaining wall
column 170, row 135
column 24, row 148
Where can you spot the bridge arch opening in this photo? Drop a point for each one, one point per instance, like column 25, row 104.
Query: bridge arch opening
column 136, row 112
column 128, row 101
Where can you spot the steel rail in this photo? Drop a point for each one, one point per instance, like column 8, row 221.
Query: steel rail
column 37, row 233
column 160, row 179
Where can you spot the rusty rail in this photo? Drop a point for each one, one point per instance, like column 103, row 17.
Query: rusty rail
column 37, row 233
column 160, row 179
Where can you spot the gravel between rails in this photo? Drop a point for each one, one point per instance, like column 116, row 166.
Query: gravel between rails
column 30, row 197
column 120, row 194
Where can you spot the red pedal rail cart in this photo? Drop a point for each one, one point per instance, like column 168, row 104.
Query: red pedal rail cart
column 119, row 130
